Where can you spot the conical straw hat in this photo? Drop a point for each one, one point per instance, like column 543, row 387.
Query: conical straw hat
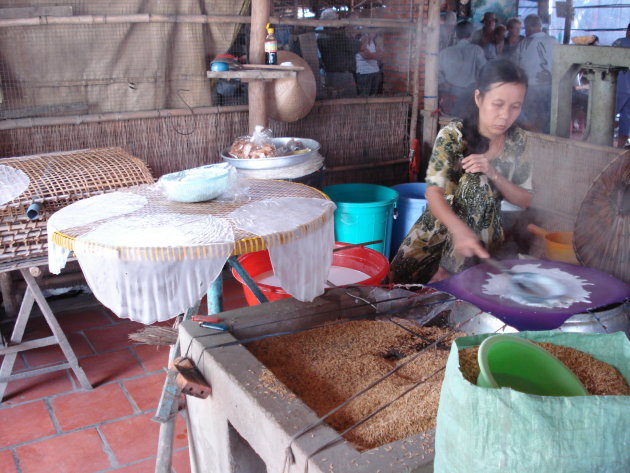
column 601, row 231
column 292, row 99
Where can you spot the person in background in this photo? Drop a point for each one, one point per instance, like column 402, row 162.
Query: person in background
column 579, row 96
column 494, row 50
column 513, row 37
column 448, row 20
column 337, row 49
column 368, row 69
column 485, row 34
column 623, row 94
column 476, row 162
column 459, row 67
column 534, row 54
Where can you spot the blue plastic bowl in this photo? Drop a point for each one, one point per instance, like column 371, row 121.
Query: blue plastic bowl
column 197, row 184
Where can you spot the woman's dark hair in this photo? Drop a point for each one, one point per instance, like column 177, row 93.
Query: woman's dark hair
column 494, row 72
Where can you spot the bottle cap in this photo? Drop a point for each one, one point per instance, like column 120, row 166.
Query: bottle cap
column 270, row 28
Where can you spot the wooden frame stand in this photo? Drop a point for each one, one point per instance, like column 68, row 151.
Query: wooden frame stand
column 34, row 294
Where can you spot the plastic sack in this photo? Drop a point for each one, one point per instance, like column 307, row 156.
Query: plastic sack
column 259, row 145
column 199, row 184
column 482, row 430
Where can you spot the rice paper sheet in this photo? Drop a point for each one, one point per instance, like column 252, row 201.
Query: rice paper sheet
column 303, row 261
column 502, row 430
column 13, row 182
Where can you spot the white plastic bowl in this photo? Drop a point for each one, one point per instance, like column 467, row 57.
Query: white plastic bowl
column 196, row 184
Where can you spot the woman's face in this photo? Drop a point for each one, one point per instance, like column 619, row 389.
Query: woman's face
column 515, row 29
column 499, row 107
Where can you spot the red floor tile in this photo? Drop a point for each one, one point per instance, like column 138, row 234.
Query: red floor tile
column 112, row 336
column 146, row 391
column 78, row 452
column 53, row 354
column 153, row 358
column 26, row 422
column 136, row 438
column 111, row 366
column 147, row 466
column 7, row 464
column 36, row 387
column 18, row 365
column 91, row 407
column 82, row 320
column 181, row 461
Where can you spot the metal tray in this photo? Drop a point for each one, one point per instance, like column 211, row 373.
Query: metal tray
column 276, row 162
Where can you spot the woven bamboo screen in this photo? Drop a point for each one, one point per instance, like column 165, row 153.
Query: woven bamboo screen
column 563, row 171
column 133, row 74
column 57, row 180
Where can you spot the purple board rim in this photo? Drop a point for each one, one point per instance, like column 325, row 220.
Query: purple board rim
column 467, row 286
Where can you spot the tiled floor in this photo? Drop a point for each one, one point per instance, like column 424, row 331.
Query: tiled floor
column 49, row 424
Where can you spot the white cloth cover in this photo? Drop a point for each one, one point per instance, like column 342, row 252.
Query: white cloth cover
column 149, row 266
column 147, row 290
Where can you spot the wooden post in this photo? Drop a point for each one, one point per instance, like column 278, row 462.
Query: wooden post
column 413, row 126
column 566, row 37
column 429, row 117
column 257, row 90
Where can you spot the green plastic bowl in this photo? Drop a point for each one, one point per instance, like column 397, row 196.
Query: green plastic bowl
column 508, row 361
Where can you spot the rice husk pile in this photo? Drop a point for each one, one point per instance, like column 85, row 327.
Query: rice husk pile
column 599, row 378
column 328, row 365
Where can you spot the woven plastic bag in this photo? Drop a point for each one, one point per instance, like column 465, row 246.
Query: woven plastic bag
column 482, row 430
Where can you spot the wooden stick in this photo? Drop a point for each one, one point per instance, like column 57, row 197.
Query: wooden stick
column 356, row 245
column 115, row 116
column 257, row 90
column 172, row 112
column 199, row 19
column 115, row 19
column 367, row 165
column 430, row 119
column 365, row 100
column 413, row 125
column 272, row 67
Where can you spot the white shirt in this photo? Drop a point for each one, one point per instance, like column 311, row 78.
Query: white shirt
column 367, row 66
column 535, row 55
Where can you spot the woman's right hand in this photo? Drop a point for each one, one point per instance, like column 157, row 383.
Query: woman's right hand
column 466, row 243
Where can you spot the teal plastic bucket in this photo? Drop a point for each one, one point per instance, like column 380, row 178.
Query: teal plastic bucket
column 364, row 213
column 411, row 204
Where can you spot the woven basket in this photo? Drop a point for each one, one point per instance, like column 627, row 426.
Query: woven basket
column 57, row 180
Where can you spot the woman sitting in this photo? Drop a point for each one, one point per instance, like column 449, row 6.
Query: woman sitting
column 475, row 164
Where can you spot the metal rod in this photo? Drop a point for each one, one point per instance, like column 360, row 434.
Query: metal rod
column 249, row 282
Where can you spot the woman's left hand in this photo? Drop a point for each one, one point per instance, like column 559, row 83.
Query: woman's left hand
column 478, row 163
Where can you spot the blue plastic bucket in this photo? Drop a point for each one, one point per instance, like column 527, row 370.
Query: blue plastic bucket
column 411, row 204
column 364, row 213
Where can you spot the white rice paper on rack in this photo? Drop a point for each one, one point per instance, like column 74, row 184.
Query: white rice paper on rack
column 13, row 182
column 85, row 212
